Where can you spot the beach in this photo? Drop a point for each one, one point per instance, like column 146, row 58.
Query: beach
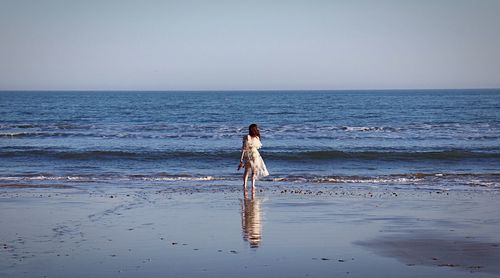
column 361, row 184
column 209, row 230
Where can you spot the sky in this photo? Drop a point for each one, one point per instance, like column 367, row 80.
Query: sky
column 249, row 45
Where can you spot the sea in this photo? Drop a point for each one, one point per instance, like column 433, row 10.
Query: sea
column 415, row 139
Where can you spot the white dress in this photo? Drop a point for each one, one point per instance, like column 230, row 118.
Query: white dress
column 251, row 156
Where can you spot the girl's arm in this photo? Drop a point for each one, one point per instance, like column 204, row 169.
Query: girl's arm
column 243, row 149
column 242, row 153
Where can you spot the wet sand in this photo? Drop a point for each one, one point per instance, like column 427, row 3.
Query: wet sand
column 200, row 230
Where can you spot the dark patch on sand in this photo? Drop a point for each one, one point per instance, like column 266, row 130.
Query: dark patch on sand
column 467, row 255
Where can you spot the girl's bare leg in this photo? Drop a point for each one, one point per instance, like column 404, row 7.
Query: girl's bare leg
column 245, row 178
column 253, row 183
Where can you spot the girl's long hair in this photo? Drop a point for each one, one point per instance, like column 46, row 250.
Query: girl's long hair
column 253, row 130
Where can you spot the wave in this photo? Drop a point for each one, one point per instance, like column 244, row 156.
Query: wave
column 49, row 125
column 106, row 178
column 438, row 180
column 114, row 154
column 386, row 155
column 15, row 135
column 11, row 152
column 472, row 131
column 370, row 128
column 96, row 134
column 483, row 179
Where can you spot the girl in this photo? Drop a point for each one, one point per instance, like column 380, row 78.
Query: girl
column 250, row 157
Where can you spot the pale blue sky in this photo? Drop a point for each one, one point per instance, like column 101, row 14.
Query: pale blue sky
column 225, row 45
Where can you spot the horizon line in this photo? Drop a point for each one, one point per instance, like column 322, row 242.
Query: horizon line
column 243, row 90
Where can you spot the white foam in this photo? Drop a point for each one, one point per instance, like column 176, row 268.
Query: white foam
column 206, row 178
column 48, row 178
column 376, row 180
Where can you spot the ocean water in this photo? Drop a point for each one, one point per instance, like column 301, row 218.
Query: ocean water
column 442, row 139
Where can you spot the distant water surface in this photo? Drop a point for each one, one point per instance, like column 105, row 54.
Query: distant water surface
column 448, row 139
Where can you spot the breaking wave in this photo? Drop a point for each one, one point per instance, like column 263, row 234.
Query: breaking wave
column 227, row 154
column 437, row 180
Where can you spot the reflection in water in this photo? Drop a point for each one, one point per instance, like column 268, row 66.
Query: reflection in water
column 251, row 222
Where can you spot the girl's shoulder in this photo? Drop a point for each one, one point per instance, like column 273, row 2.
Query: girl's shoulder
column 248, row 137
